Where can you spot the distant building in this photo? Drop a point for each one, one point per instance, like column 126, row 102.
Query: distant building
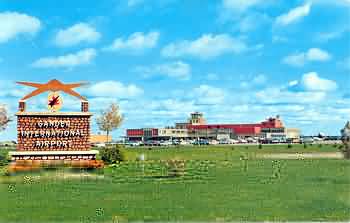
column 197, row 127
column 292, row 133
column 197, row 118
column 170, row 133
column 100, row 139
column 235, row 130
column 141, row 134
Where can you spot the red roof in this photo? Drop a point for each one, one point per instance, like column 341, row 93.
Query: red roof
column 134, row 132
column 236, row 128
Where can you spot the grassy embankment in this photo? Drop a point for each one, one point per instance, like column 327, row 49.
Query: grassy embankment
column 218, row 185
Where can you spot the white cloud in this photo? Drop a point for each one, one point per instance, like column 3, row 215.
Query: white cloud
column 206, row 47
column 136, row 42
column 10, row 89
column 316, row 54
column 78, row 33
column 240, row 5
column 310, row 90
column 255, row 81
column 293, row 15
column 172, row 105
column 13, row 24
column 244, row 15
column 278, row 95
column 114, row 89
column 327, row 36
column 253, row 21
column 70, row 60
column 205, row 94
column 312, row 82
column 313, row 54
column 133, row 3
column 177, row 69
column 293, row 83
column 296, row 60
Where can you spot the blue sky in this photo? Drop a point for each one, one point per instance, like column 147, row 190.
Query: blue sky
column 235, row 60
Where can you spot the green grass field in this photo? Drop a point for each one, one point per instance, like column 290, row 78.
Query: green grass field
column 226, row 152
column 218, row 186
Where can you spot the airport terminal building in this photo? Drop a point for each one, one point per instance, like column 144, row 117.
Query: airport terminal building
column 197, row 128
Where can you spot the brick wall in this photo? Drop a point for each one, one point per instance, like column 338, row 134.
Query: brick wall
column 53, row 137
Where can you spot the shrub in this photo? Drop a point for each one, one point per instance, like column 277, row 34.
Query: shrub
column 345, row 149
column 3, row 159
column 305, row 145
column 277, row 169
column 244, row 162
column 290, row 146
column 111, row 155
column 260, row 146
column 176, row 168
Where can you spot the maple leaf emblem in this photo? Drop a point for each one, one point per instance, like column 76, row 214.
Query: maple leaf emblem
column 54, row 101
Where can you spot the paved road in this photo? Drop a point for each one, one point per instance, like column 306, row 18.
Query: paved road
column 323, row 155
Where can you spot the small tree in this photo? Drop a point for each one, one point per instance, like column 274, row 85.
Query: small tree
column 345, row 133
column 4, row 119
column 110, row 119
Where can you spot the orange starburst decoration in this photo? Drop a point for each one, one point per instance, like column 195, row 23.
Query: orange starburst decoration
column 53, row 85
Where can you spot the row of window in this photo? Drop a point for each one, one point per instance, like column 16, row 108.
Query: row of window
column 175, row 131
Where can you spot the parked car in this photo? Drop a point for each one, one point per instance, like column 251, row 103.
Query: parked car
column 213, row 142
column 152, row 143
column 185, row 142
column 228, row 141
column 234, row 141
column 308, row 140
column 242, row 141
column 176, row 142
column 201, row 142
column 133, row 143
column 252, row 140
column 224, row 141
column 165, row 143
column 278, row 141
